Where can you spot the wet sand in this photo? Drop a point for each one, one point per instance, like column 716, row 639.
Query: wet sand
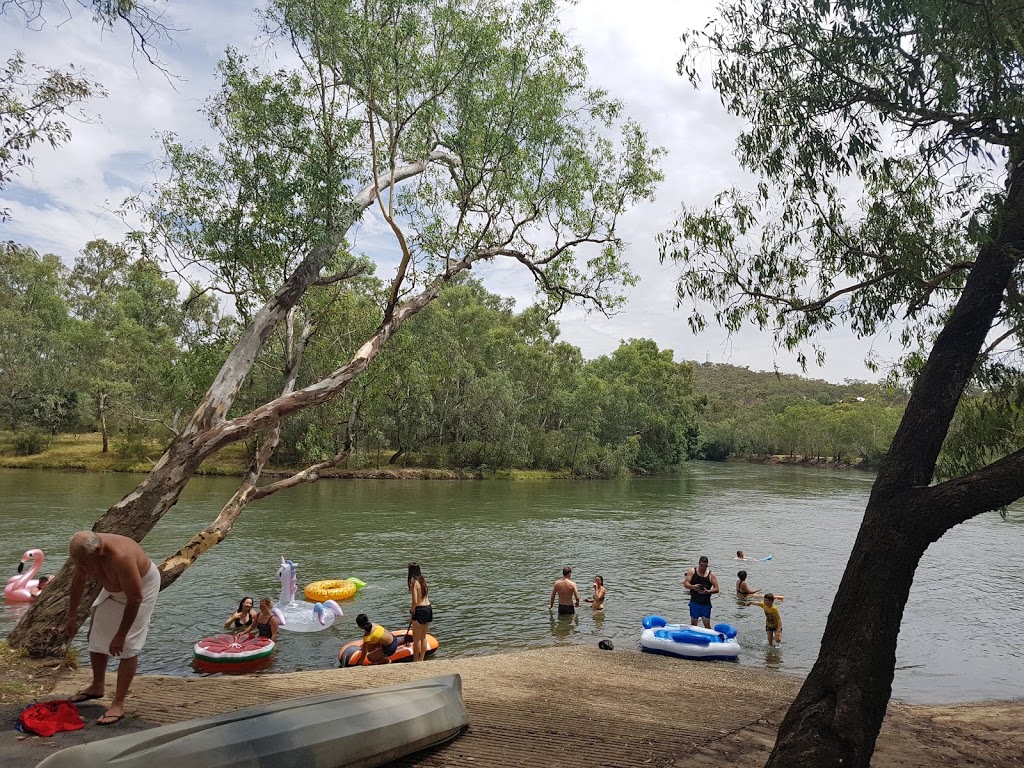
column 570, row 706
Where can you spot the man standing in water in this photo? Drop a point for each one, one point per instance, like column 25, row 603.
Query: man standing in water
column 702, row 584
column 567, row 592
column 120, row 614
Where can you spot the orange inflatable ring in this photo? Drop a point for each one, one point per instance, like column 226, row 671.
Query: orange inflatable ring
column 331, row 589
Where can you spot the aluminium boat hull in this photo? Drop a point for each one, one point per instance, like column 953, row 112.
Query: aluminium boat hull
column 355, row 729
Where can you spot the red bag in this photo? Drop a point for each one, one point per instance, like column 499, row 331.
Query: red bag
column 48, row 717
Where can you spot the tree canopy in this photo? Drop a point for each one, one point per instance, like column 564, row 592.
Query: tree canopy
column 34, row 103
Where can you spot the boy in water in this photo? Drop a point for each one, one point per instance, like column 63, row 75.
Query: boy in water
column 772, row 619
column 39, row 586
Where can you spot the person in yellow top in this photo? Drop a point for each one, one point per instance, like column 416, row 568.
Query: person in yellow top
column 378, row 642
column 772, row 619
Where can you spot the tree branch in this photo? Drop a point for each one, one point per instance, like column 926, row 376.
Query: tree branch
column 958, row 500
column 214, row 407
column 954, row 355
column 348, row 274
column 311, row 474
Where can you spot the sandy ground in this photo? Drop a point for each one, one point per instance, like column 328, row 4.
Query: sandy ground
column 569, row 706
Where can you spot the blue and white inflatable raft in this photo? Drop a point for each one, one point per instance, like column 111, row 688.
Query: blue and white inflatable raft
column 689, row 642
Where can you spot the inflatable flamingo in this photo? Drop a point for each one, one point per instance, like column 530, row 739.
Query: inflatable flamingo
column 298, row 615
column 19, row 587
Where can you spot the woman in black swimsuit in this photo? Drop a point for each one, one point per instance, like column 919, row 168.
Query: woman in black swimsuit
column 242, row 619
column 266, row 622
column 422, row 612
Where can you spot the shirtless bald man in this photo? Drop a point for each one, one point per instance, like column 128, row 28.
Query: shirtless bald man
column 120, row 614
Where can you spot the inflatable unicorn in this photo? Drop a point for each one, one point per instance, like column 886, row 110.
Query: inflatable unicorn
column 19, row 588
column 298, row 615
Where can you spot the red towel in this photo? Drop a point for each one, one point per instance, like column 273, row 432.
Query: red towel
column 48, row 717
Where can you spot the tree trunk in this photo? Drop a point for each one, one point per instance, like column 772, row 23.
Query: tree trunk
column 14, row 410
column 101, row 408
column 836, row 717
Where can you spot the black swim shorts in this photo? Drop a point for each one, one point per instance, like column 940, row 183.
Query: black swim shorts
column 565, row 610
column 424, row 614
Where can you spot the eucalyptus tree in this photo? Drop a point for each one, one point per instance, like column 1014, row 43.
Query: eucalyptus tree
column 146, row 22
column 650, row 397
column 913, row 108
column 484, row 108
column 35, row 329
column 35, row 105
column 133, row 334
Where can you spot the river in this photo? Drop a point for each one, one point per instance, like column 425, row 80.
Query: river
column 491, row 550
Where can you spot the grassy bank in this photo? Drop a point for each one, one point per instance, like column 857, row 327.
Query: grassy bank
column 84, row 452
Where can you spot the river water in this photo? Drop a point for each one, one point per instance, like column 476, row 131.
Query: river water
column 491, row 550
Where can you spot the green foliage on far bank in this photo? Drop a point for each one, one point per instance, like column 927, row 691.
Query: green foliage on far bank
column 469, row 384
column 754, row 414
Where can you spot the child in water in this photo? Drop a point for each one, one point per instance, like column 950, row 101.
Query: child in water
column 772, row 619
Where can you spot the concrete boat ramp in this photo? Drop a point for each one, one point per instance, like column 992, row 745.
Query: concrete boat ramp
column 571, row 706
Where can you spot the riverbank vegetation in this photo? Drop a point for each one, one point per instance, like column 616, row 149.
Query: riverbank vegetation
column 107, row 346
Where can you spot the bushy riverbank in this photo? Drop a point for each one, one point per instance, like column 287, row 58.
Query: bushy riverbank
column 84, row 453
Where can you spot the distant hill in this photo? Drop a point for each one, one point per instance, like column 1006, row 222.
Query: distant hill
column 738, row 384
column 760, row 414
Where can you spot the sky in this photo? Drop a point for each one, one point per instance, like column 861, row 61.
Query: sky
column 70, row 194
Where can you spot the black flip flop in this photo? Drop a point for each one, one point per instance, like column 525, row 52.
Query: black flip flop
column 109, row 719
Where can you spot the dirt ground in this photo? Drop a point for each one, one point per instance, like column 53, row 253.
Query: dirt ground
column 565, row 706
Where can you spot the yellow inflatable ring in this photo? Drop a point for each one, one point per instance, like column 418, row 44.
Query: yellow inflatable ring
column 331, row 589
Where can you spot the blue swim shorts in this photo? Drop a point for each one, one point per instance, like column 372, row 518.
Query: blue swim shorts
column 698, row 611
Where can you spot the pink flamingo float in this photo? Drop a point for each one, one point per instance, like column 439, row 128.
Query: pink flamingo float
column 19, row 587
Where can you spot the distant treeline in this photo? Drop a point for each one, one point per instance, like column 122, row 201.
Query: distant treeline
column 108, row 345
column 757, row 414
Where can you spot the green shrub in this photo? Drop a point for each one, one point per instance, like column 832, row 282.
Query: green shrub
column 132, row 444
column 714, row 450
column 30, row 442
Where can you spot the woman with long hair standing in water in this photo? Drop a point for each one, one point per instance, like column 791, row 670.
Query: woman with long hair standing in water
column 421, row 611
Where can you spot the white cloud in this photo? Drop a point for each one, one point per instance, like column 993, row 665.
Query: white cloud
column 632, row 50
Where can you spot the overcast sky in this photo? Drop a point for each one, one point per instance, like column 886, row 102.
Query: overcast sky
column 66, row 199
